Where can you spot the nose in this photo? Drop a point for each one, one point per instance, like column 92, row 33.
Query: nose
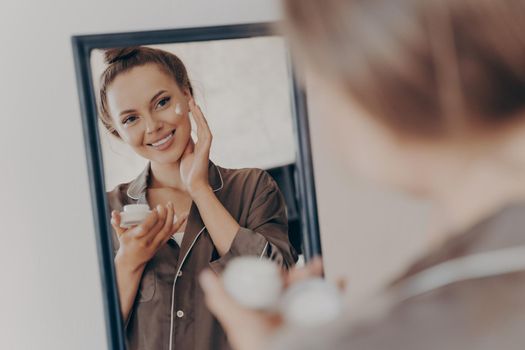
column 152, row 125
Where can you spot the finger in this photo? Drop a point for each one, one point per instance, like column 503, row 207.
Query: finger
column 203, row 143
column 341, row 284
column 181, row 220
column 203, row 129
column 197, row 114
column 167, row 223
column 162, row 239
column 115, row 223
column 314, row 268
column 170, row 216
column 188, row 150
column 146, row 225
column 150, row 236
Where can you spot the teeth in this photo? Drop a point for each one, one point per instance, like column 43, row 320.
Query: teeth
column 163, row 141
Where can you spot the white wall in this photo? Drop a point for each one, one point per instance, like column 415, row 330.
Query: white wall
column 50, row 295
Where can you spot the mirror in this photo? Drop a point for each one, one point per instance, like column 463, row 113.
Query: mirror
column 204, row 130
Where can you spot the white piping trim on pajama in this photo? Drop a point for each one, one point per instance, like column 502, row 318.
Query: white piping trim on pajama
column 264, row 250
column 173, row 288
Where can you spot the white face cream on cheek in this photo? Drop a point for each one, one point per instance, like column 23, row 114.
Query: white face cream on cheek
column 178, row 109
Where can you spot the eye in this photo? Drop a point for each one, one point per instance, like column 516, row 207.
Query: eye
column 163, row 102
column 128, row 120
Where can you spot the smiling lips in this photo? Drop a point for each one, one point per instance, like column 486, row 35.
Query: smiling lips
column 163, row 143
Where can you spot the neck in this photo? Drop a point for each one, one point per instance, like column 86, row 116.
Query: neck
column 478, row 187
column 168, row 174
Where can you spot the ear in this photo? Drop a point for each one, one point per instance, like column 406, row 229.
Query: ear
column 187, row 93
column 116, row 134
column 112, row 130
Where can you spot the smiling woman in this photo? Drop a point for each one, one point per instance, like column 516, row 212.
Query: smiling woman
column 146, row 100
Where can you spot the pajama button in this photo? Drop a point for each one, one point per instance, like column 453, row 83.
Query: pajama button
column 179, row 273
column 180, row 314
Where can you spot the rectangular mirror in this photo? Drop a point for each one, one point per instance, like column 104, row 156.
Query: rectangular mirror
column 237, row 162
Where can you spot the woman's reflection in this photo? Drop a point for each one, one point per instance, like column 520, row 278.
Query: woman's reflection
column 203, row 215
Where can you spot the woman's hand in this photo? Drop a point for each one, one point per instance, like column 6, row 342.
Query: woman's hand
column 248, row 329
column 194, row 162
column 140, row 243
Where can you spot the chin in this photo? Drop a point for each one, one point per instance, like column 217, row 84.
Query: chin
column 167, row 158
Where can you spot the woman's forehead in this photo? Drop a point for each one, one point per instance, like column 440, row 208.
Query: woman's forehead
column 139, row 85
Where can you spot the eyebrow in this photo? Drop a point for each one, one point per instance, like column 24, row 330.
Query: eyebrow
column 150, row 101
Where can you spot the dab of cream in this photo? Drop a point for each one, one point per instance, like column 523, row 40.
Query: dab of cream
column 178, row 110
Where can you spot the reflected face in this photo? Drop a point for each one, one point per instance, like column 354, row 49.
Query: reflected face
column 150, row 113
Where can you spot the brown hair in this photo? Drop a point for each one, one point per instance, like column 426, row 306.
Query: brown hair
column 423, row 67
column 124, row 59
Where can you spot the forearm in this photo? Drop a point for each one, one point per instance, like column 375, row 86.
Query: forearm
column 128, row 280
column 221, row 226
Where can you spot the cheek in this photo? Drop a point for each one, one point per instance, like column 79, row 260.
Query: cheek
column 132, row 136
column 356, row 146
column 183, row 132
column 174, row 113
column 180, row 120
column 173, row 116
column 357, row 141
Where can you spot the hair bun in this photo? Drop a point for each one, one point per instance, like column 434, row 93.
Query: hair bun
column 114, row 55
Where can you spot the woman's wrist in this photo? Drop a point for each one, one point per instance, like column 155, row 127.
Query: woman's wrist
column 124, row 265
column 200, row 192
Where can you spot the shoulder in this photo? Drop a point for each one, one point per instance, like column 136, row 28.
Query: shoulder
column 459, row 316
column 252, row 178
column 456, row 316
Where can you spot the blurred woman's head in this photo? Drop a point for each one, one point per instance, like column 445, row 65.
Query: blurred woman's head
column 429, row 82
column 144, row 94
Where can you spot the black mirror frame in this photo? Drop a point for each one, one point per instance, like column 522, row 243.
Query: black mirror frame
column 82, row 46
